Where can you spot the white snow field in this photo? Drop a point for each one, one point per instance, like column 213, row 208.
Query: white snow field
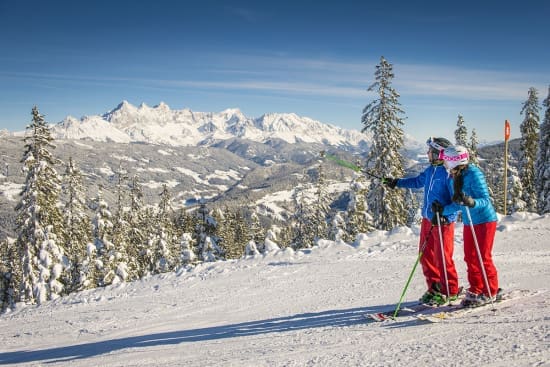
column 302, row 308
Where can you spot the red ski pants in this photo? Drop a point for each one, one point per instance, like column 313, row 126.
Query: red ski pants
column 485, row 235
column 433, row 266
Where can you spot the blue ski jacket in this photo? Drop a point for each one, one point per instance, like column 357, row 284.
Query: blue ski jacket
column 474, row 185
column 437, row 186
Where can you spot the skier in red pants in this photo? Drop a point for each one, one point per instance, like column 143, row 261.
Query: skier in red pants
column 437, row 188
column 471, row 196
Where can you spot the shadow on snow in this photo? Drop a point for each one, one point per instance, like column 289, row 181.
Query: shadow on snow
column 332, row 318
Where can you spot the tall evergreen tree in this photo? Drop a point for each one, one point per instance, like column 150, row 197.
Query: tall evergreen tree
column 461, row 133
column 382, row 118
column 78, row 229
column 38, row 216
column 542, row 165
column 528, row 146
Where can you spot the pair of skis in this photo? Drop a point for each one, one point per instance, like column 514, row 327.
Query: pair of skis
column 425, row 313
column 434, row 314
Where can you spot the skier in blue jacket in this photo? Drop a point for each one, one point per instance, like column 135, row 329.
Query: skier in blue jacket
column 437, row 188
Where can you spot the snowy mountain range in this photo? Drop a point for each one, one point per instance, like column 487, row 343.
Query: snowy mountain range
column 164, row 126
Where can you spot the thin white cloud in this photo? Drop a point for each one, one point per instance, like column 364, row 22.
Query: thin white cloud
column 280, row 74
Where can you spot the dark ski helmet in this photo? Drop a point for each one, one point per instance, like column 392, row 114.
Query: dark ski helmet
column 437, row 145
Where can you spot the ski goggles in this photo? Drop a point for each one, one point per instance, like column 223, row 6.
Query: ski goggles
column 454, row 158
column 433, row 144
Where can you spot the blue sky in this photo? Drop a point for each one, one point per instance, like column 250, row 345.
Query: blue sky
column 316, row 59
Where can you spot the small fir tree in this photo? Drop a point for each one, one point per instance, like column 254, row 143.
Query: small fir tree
column 358, row 219
column 187, row 244
column 528, row 146
column 9, row 276
column 137, row 231
column 461, row 133
column 321, row 204
column 166, row 257
column 102, row 231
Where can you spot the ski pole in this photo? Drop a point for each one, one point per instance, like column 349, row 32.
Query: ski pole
column 420, row 254
column 441, row 245
column 352, row 166
column 480, row 258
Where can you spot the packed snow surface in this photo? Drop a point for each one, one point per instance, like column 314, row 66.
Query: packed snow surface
column 296, row 308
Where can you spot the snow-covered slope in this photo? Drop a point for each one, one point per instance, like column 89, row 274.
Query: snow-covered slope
column 161, row 125
column 299, row 308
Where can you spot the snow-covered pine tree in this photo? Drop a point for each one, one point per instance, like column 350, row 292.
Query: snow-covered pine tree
column 137, row 232
column 515, row 202
column 207, row 248
column 337, row 228
column 225, row 231
column 528, row 146
column 251, row 249
column 472, row 147
column 255, row 230
column 236, row 233
column 166, row 254
column 414, row 216
column 495, row 172
column 38, row 214
column 270, row 242
column 78, row 230
column 382, row 118
column 52, row 262
column 240, row 234
column 542, row 165
column 9, row 267
column 358, row 219
column 461, row 133
column 285, row 234
column 102, row 231
column 128, row 264
column 187, row 244
column 210, row 251
column 321, row 204
column 302, row 236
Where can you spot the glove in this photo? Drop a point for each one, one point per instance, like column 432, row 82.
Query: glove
column 390, row 182
column 437, row 209
column 468, row 201
column 463, row 199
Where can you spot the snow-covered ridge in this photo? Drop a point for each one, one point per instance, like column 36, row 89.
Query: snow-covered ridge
column 162, row 125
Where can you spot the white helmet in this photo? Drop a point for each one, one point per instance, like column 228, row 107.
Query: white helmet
column 454, row 156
